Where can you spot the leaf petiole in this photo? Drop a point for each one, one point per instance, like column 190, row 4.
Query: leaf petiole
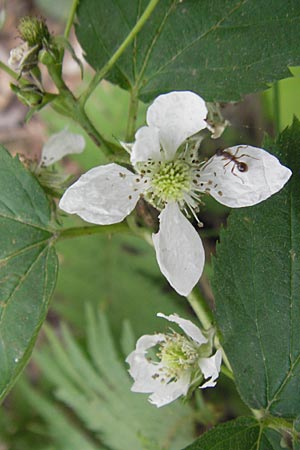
column 71, row 19
column 106, row 68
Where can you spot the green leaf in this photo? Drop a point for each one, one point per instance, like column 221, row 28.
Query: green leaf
column 243, row 433
column 257, row 291
column 27, row 266
column 220, row 49
column 95, row 385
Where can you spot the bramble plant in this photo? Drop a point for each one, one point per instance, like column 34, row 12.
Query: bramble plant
column 146, row 193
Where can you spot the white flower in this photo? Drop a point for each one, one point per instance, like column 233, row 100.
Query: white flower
column 18, row 55
column 59, row 145
column 170, row 176
column 181, row 362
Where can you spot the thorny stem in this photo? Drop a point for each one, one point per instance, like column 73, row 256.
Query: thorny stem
column 101, row 74
column 74, row 232
column 69, row 106
column 71, row 19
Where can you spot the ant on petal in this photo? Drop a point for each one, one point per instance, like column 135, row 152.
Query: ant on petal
column 235, row 159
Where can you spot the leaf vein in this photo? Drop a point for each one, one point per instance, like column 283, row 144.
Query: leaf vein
column 211, row 29
column 21, row 281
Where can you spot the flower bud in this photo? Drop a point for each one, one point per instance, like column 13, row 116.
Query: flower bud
column 34, row 31
column 29, row 94
column 46, row 58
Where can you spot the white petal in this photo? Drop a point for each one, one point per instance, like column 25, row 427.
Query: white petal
column 143, row 344
column 177, row 115
column 17, row 56
column 210, row 368
column 187, row 326
column 60, row 145
column 179, row 250
column 263, row 177
column 146, row 145
column 141, row 368
column 104, row 195
column 168, row 392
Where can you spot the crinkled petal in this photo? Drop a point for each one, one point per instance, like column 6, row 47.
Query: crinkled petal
column 168, row 392
column 146, row 145
column 141, row 368
column 17, row 55
column 177, row 115
column 187, row 326
column 148, row 378
column 210, row 367
column 104, row 195
column 60, row 145
column 263, row 177
column 179, row 250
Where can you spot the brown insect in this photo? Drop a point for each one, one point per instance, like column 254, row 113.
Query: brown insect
column 240, row 165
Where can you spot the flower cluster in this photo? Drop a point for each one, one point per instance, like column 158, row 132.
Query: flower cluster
column 35, row 36
column 180, row 363
column 168, row 174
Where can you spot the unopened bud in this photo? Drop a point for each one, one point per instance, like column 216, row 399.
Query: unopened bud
column 34, row 31
column 45, row 57
column 29, row 94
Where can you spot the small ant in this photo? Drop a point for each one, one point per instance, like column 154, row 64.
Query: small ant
column 241, row 166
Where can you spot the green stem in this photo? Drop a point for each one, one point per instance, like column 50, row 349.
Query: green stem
column 201, row 308
column 71, row 19
column 132, row 115
column 12, row 73
column 69, row 233
column 227, row 372
column 67, row 105
column 101, row 74
column 206, row 317
column 276, row 108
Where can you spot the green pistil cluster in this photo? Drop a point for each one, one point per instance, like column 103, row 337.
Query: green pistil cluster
column 34, row 31
column 178, row 354
column 171, row 180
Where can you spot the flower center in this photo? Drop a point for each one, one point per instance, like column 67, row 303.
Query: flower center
column 178, row 181
column 167, row 181
column 171, row 180
column 177, row 355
